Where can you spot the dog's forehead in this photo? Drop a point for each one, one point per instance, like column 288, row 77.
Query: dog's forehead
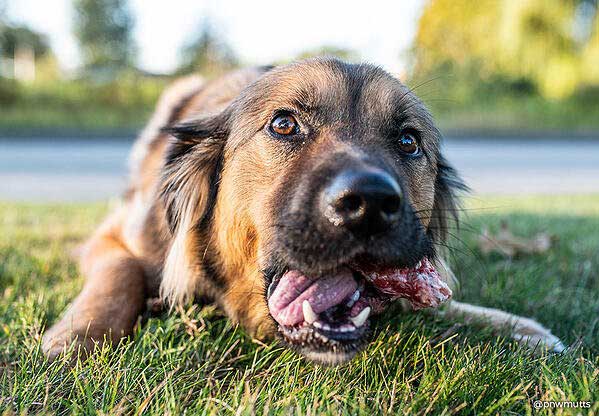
column 327, row 87
column 359, row 101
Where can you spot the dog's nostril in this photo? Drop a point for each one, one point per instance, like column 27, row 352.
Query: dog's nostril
column 349, row 204
column 390, row 205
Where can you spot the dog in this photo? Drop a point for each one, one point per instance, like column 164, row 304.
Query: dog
column 270, row 185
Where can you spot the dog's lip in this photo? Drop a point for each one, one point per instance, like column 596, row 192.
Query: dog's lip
column 319, row 335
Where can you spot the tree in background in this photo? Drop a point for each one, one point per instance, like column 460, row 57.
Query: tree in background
column 104, row 31
column 25, row 54
column 590, row 51
column 14, row 37
column 526, row 42
column 207, row 53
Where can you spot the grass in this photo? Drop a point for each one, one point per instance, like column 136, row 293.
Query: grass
column 196, row 361
column 466, row 105
column 513, row 117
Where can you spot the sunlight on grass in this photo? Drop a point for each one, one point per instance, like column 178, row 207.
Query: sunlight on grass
column 417, row 363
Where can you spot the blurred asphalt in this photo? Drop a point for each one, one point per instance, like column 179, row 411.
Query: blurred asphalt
column 89, row 169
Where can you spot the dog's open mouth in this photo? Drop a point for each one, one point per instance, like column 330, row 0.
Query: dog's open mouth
column 330, row 314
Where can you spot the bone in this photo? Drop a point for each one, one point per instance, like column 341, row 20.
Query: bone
column 422, row 285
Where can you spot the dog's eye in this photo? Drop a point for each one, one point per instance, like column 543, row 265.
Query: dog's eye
column 408, row 144
column 284, row 125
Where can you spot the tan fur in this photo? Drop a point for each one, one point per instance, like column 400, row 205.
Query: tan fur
column 112, row 298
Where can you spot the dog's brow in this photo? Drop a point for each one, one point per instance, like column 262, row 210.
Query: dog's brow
column 302, row 105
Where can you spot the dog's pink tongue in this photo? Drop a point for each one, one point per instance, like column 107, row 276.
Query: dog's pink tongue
column 285, row 303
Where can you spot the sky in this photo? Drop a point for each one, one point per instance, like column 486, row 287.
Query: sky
column 260, row 31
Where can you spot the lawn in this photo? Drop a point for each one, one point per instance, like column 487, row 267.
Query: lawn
column 196, row 361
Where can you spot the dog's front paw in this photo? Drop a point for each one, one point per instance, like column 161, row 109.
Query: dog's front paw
column 535, row 336
column 57, row 341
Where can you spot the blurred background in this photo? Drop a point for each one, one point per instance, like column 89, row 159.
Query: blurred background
column 514, row 87
column 513, row 84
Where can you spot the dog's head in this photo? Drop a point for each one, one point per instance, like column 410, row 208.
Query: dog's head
column 317, row 170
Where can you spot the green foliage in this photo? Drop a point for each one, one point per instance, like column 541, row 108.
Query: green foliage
column 14, row 37
column 9, row 91
column 208, row 53
column 103, row 29
column 499, row 104
column 534, row 40
column 125, row 102
column 195, row 361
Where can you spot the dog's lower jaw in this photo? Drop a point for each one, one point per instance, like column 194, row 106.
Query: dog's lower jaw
column 320, row 349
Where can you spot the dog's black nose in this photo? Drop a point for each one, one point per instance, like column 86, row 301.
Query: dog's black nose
column 365, row 202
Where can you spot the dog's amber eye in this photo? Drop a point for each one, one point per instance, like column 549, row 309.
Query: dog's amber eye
column 284, row 125
column 408, row 144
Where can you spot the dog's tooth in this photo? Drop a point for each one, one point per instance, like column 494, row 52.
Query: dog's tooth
column 317, row 324
column 361, row 318
column 353, row 299
column 347, row 328
column 309, row 314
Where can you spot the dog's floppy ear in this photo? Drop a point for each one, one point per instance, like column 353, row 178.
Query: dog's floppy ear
column 191, row 168
column 188, row 189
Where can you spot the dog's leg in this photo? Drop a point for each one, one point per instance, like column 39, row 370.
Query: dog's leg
column 111, row 300
column 524, row 330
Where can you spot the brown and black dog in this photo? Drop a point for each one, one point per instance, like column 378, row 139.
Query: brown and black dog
column 276, row 183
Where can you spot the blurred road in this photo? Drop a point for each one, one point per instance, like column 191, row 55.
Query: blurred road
column 67, row 169
column 515, row 166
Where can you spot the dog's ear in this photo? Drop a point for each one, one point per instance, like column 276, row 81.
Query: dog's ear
column 191, row 168
column 448, row 185
column 189, row 182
